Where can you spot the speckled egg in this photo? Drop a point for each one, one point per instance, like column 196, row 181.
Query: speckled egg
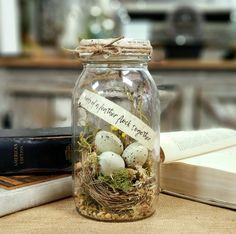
column 135, row 154
column 107, row 141
column 110, row 162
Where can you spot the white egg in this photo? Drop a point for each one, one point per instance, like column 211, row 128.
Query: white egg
column 135, row 154
column 107, row 141
column 110, row 162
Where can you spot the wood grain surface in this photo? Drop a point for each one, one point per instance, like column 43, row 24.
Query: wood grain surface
column 173, row 215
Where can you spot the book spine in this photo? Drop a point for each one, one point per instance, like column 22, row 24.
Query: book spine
column 35, row 154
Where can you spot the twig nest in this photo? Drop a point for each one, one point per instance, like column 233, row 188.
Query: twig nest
column 135, row 154
column 110, row 162
column 107, row 141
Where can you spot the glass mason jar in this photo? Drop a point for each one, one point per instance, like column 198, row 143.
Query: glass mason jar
column 115, row 131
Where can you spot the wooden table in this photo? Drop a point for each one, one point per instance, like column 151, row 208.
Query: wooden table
column 174, row 215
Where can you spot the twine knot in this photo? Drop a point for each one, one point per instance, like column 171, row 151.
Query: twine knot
column 106, row 50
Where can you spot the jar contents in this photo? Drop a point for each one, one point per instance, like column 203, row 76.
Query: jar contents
column 107, row 188
column 115, row 177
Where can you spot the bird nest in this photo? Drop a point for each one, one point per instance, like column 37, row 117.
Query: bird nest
column 138, row 199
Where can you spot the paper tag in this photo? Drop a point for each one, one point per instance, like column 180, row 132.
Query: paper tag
column 118, row 117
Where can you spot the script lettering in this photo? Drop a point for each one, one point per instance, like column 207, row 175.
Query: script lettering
column 119, row 117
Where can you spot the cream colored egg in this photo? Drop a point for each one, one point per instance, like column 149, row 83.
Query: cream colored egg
column 107, row 141
column 135, row 154
column 110, row 162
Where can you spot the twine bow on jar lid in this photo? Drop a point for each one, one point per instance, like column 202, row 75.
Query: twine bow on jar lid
column 91, row 48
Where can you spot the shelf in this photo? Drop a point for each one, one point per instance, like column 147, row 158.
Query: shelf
column 69, row 63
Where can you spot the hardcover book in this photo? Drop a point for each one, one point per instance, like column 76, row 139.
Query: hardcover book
column 35, row 150
column 200, row 165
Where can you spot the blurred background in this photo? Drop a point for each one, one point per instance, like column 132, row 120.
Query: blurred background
column 193, row 64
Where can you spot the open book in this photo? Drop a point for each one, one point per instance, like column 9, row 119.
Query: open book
column 19, row 192
column 200, row 165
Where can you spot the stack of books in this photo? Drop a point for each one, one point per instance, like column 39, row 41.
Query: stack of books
column 35, row 167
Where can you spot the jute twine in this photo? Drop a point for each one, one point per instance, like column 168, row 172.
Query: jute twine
column 108, row 47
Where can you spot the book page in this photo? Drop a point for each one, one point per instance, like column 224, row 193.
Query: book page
column 184, row 144
column 224, row 160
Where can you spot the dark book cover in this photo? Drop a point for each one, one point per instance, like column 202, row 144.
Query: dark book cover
column 35, row 150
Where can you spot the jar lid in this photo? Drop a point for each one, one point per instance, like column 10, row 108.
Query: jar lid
column 107, row 48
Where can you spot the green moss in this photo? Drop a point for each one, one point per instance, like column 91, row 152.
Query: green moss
column 86, row 141
column 120, row 180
